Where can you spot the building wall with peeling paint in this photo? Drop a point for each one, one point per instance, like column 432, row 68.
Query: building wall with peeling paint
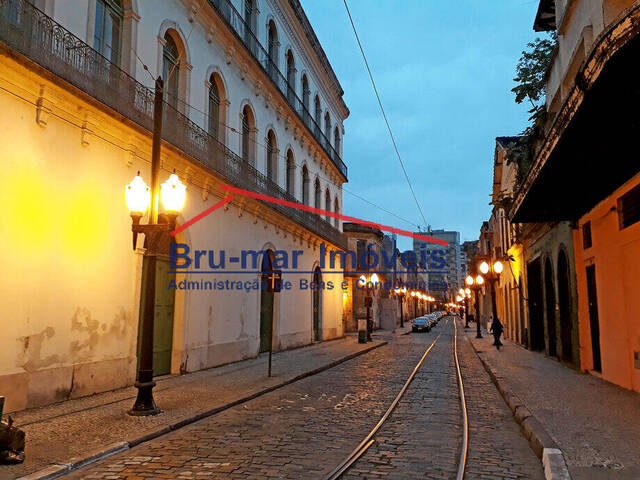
column 71, row 281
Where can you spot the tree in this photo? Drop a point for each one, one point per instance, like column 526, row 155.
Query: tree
column 530, row 78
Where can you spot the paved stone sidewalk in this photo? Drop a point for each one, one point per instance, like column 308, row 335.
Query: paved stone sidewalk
column 76, row 428
column 596, row 424
column 298, row 432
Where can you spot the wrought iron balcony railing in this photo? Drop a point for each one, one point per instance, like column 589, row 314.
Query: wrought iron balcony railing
column 28, row 31
column 243, row 32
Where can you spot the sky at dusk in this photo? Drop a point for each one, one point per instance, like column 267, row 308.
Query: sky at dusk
column 444, row 70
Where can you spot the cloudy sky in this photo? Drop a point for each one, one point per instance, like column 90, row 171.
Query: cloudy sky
column 444, row 70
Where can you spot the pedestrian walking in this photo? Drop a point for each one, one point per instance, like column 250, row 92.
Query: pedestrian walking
column 496, row 329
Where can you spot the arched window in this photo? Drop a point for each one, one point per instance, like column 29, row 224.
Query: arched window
column 306, row 93
column 248, row 131
column 249, row 14
column 291, row 172
column 336, row 209
column 305, row 185
column 170, row 70
column 318, row 195
column 272, row 156
column 327, row 127
column 272, row 44
column 336, row 140
column 317, row 114
column 107, row 34
column 214, row 109
column 327, row 204
column 291, row 76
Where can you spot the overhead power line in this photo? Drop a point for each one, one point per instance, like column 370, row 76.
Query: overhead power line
column 384, row 115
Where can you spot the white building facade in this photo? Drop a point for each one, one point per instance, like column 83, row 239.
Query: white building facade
column 251, row 101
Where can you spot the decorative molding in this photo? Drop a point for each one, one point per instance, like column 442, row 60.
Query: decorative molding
column 229, row 53
column 131, row 154
column 211, row 33
column 193, row 11
column 86, row 132
column 258, row 86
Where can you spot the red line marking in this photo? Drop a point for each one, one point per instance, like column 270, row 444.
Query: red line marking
column 200, row 216
column 347, row 218
column 319, row 211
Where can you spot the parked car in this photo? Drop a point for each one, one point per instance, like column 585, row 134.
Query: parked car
column 420, row 324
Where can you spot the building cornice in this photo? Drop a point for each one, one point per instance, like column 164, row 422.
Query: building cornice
column 328, row 84
column 605, row 46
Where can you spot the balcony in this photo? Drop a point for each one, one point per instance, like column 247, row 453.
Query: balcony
column 245, row 35
column 29, row 32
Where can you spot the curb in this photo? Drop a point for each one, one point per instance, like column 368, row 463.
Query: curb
column 57, row 470
column 545, row 448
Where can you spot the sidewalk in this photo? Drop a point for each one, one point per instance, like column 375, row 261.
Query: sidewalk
column 61, row 435
column 596, row 424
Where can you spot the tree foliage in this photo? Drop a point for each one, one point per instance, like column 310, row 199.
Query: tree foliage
column 530, row 79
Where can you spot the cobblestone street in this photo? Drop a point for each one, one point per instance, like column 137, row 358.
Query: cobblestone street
column 305, row 429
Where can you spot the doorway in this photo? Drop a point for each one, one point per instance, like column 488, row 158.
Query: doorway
column 536, row 315
column 564, row 300
column 266, row 303
column 550, row 304
column 317, row 304
column 163, row 315
column 594, row 322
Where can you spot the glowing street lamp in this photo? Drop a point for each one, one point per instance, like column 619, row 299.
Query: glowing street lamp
column 492, row 272
column 173, row 193
column 364, row 282
column 400, row 293
column 139, row 198
column 475, row 284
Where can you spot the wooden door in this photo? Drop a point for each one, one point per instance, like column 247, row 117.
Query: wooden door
column 163, row 316
column 594, row 321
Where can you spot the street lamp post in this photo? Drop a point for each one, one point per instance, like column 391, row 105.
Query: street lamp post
column 400, row 294
column 475, row 284
column 492, row 272
column 373, row 279
column 415, row 302
column 467, row 297
column 140, row 198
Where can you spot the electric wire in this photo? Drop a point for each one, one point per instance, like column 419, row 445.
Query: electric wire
column 384, row 115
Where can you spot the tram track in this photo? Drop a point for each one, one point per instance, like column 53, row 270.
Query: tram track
column 369, row 440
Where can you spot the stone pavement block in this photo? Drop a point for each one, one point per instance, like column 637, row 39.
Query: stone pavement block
column 76, row 429
column 594, row 423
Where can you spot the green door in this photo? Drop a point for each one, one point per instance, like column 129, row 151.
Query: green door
column 316, row 292
column 266, row 304
column 266, row 319
column 163, row 319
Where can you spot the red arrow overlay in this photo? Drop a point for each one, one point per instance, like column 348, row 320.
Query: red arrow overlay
column 307, row 208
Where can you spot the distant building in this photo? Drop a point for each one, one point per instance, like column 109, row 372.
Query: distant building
column 452, row 277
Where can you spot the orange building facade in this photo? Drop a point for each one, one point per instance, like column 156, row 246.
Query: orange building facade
column 607, row 267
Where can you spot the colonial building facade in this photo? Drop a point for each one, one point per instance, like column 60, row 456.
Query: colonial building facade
column 586, row 177
column 250, row 101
